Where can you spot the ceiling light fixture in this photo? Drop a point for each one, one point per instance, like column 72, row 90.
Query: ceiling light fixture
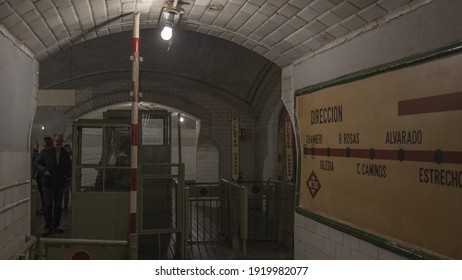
column 169, row 18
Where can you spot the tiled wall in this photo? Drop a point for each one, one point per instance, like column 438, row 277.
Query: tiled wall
column 14, row 201
column 316, row 241
column 18, row 96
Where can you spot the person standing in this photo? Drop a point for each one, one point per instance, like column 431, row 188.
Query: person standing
column 54, row 164
column 47, row 143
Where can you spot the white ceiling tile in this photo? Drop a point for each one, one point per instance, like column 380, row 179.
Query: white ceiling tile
column 372, row 12
column 257, row 2
column 85, row 4
column 44, row 5
column 259, row 49
column 238, row 21
column 286, row 29
column 300, row 3
column 90, row 35
column 191, row 27
column 329, row 18
column 250, row 8
column 292, row 54
column 11, row 20
column 299, row 36
column 278, row 3
column 345, row 9
column 26, row 34
column 362, row 3
column 19, row 28
column 256, row 21
column 308, row 14
column 209, row 16
column 337, row 30
column 216, row 33
column 391, row 5
column 296, row 22
column 313, row 44
column 282, row 47
column 61, row 33
column 278, row 19
column 271, row 56
column 23, row 7
column 325, row 38
column 34, row 43
column 53, row 22
column 32, row 15
column 227, row 36
column 268, row 9
column 62, row 3
column 249, row 44
column 115, row 29
column 266, row 28
column 226, row 15
column 321, row 5
column 5, row 10
column 255, row 37
column 268, row 41
column 282, row 61
column 353, row 22
column 238, row 2
column 288, row 11
column 315, row 26
column 238, row 40
column 102, row 32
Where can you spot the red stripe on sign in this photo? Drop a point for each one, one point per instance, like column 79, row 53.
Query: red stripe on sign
column 359, row 153
column 386, row 154
column 134, row 179
column 452, row 157
column 431, row 104
column 132, row 226
column 423, row 156
column 437, row 156
column 134, row 134
column 136, row 45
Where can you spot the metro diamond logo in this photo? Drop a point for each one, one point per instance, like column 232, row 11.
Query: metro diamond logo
column 313, row 184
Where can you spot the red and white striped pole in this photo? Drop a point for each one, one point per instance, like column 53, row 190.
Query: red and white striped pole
column 133, row 238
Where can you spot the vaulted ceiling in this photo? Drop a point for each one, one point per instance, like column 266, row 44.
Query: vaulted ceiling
column 260, row 34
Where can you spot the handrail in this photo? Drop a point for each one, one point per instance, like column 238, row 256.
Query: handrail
column 43, row 242
column 29, row 246
column 270, row 180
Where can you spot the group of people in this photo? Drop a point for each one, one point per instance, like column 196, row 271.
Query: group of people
column 52, row 170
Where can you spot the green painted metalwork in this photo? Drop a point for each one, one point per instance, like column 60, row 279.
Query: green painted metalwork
column 392, row 66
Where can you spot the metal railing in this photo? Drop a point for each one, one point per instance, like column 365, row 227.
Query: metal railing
column 262, row 210
column 238, row 214
column 27, row 252
column 69, row 245
column 207, row 212
column 285, row 209
column 162, row 223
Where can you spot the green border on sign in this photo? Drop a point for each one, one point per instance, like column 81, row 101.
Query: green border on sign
column 393, row 246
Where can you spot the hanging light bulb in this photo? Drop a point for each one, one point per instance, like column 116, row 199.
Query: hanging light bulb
column 181, row 118
column 167, row 32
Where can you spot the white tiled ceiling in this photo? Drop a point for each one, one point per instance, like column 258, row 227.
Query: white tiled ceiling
column 282, row 31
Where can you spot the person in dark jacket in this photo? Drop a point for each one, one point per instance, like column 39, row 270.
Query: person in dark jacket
column 47, row 143
column 54, row 164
